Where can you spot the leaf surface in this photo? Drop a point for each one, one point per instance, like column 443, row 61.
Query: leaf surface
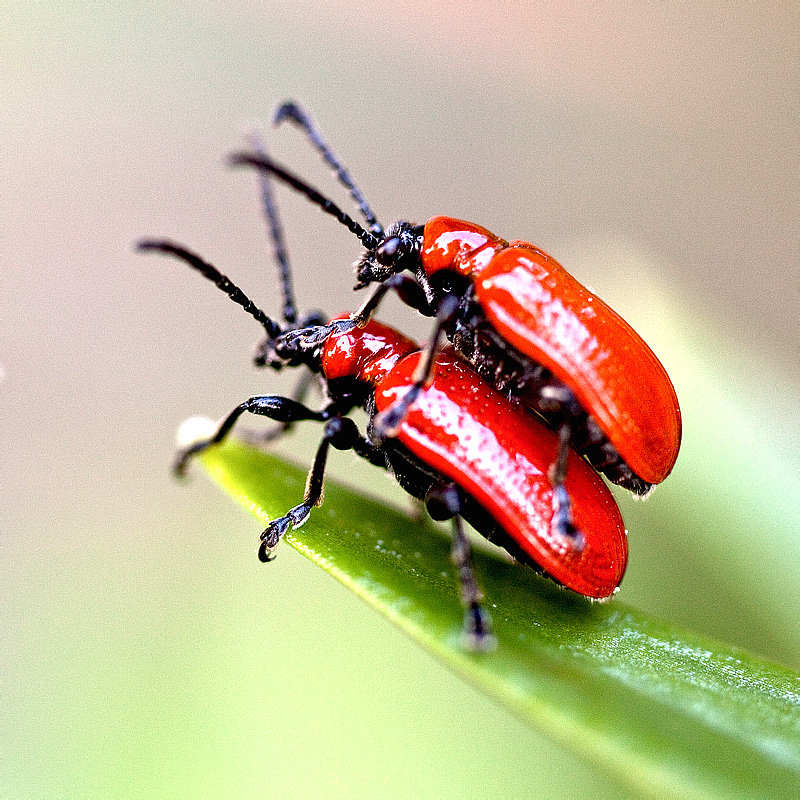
column 662, row 709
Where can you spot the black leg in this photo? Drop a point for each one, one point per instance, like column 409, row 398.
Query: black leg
column 301, row 346
column 444, row 502
column 561, row 523
column 273, row 434
column 339, row 432
column 281, row 409
column 265, row 353
column 388, row 422
column 409, row 291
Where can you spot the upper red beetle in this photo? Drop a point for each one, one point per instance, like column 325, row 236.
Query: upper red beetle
column 543, row 312
column 524, row 323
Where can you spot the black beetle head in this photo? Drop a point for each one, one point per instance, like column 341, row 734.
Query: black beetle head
column 398, row 250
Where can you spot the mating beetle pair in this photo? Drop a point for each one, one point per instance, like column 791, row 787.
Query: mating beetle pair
column 449, row 436
column 523, row 322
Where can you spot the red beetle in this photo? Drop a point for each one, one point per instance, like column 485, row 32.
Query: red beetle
column 524, row 323
column 463, row 447
column 496, row 452
column 544, row 313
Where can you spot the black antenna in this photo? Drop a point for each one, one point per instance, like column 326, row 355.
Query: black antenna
column 266, row 164
column 216, row 277
column 294, row 113
column 270, row 210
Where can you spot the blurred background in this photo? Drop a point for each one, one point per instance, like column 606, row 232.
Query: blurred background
column 651, row 149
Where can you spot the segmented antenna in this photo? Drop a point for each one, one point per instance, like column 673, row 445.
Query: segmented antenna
column 298, row 116
column 266, row 164
column 270, row 210
column 217, row 278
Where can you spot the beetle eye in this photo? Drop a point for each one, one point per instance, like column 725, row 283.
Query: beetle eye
column 387, row 251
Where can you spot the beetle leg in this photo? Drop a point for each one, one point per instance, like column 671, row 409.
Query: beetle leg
column 409, row 291
column 364, row 448
column 444, row 502
column 388, row 422
column 339, row 432
column 301, row 345
column 281, row 409
column 562, row 524
column 298, row 396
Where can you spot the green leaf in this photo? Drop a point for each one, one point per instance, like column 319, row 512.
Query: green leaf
column 662, row 709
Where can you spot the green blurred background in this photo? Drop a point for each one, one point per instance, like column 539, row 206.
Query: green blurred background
column 146, row 651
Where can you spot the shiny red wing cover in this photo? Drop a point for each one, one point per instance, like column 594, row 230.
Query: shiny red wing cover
column 541, row 310
column 499, row 453
column 545, row 313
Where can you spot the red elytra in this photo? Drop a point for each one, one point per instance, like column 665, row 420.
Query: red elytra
column 546, row 314
column 493, row 449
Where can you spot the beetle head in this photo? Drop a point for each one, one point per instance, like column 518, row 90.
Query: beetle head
column 398, row 250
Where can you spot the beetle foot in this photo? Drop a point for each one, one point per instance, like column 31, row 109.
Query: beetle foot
column 271, row 537
column 387, row 424
column 561, row 525
column 572, row 535
column 477, row 635
column 267, row 554
column 274, row 532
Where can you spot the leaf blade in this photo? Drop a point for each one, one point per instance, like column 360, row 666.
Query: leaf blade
column 661, row 708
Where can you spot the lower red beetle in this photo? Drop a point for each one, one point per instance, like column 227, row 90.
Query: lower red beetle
column 524, row 323
column 462, row 447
